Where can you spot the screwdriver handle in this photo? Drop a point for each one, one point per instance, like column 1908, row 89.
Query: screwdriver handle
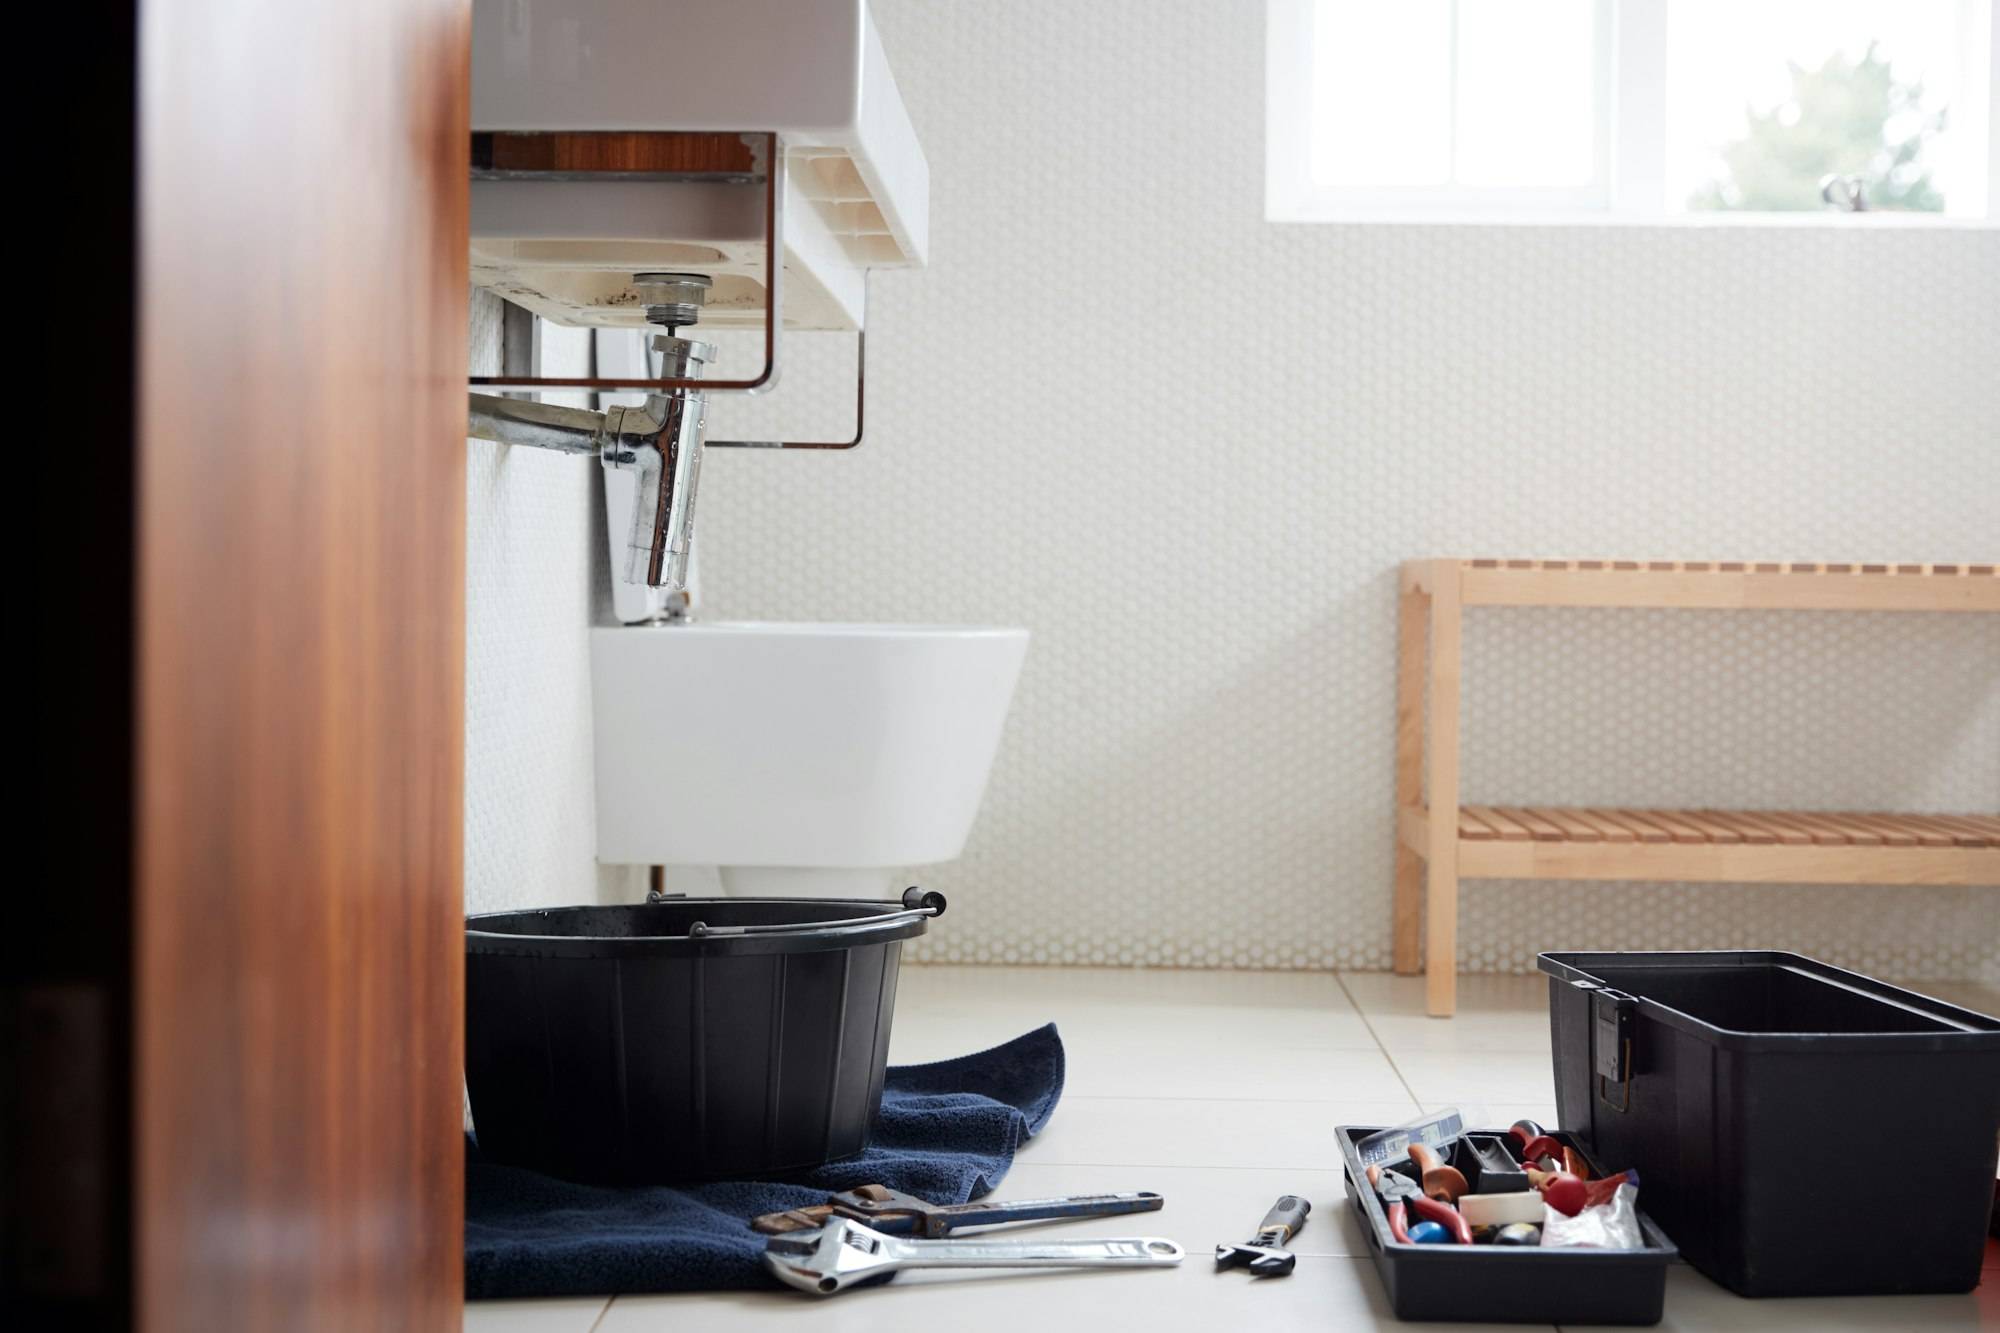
column 1282, row 1223
column 1441, row 1182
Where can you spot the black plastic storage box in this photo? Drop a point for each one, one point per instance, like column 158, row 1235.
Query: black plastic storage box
column 1498, row 1284
column 1798, row 1129
column 684, row 1039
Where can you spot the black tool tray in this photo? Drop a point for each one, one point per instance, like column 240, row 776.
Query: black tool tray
column 1500, row 1284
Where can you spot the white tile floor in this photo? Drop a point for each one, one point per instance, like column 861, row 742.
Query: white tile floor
column 1220, row 1090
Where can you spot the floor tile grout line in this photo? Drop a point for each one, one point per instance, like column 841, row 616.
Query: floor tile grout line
column 1386, row 1053
column 598, row 1322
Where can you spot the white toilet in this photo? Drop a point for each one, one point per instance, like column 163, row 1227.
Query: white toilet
column 801, row 760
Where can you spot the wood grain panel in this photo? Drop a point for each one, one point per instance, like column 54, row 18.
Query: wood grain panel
column 618, row 152
column 301, row 497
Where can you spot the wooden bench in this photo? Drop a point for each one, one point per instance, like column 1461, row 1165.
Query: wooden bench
column 1442, row 841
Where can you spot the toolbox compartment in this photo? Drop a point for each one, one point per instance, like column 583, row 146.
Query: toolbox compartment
column 1498, row 1284
column 1801, row 1130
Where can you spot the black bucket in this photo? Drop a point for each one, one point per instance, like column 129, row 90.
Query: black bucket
column 683, row 1039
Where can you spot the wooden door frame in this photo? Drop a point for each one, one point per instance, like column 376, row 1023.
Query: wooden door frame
column 297, row 573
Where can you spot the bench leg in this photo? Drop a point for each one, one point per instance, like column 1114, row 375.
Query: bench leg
column 1441, row 828
column 1441, row 942
column 1412, row 628
column 1409, row 921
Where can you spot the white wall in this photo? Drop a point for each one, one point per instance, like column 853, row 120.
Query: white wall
column 535, row 575
column 1189, row 447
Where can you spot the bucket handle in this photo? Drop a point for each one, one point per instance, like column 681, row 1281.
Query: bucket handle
column 917, row 904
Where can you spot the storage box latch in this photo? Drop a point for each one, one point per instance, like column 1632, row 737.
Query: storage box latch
column 1611, row 1014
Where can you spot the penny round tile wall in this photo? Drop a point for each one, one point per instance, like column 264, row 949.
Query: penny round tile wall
column 1188, row 448
column 534, row 574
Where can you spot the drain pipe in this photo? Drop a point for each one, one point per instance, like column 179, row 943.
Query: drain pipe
column 658, row 442
column 569, row 430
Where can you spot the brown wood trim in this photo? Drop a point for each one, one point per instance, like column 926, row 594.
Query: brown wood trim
column 300, row 618
column 627, row 152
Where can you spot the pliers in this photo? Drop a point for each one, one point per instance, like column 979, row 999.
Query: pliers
column 1400, row 1194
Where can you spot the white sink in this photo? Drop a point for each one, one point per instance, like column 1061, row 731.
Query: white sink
column 794, row 755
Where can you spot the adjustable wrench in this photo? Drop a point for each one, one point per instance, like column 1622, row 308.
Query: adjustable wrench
column 894, row 1213
column 1264, row 1253
column 843, row 1253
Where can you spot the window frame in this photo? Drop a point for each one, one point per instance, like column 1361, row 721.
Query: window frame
column 1630, row 111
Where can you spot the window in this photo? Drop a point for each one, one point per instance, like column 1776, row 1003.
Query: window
column 1628, row 109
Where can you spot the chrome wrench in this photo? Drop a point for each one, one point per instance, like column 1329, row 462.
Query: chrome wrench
column 844, row 1252
column 894, row 1213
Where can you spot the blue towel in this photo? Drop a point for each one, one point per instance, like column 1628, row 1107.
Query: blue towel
column 948, row 1132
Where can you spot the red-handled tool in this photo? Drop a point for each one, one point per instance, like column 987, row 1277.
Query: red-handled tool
column 1401, row 1195
column 1541, row 1149
column 1441, row 1182
column 1559, row 1190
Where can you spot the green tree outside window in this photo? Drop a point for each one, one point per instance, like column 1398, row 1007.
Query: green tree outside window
column 1837, row 121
